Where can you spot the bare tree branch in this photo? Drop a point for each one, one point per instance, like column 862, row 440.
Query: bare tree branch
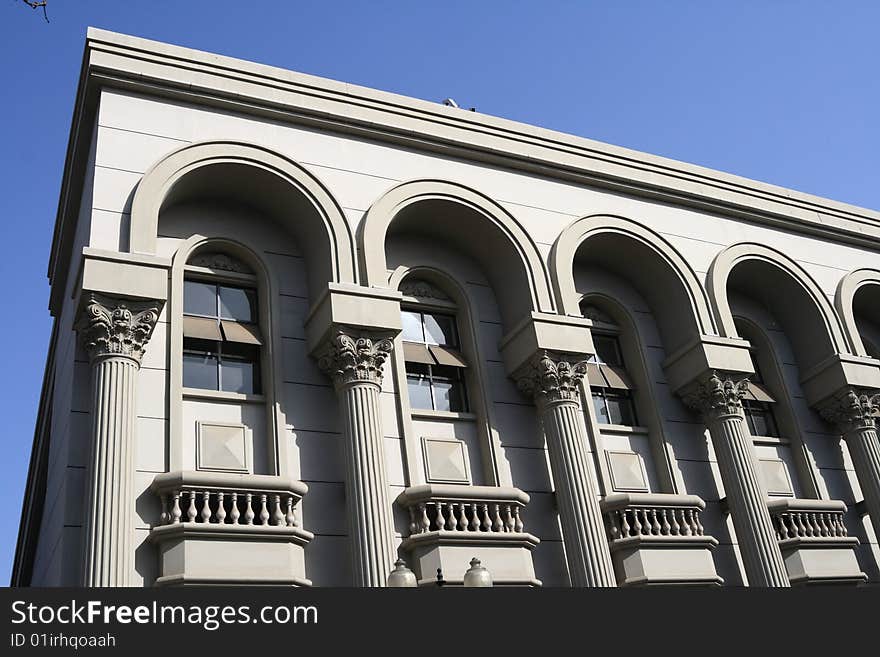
column 41, row 4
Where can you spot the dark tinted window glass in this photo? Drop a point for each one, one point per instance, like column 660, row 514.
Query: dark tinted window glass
column 199, row 298
column 238, row 376
column 601, row 411
column 200, row 370
column 237, row 303
column 607, row 350
column 620, row 410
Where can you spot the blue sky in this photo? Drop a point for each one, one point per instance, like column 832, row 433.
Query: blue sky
column 782, row 91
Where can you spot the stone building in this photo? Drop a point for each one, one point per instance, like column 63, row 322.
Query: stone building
column 303, row 327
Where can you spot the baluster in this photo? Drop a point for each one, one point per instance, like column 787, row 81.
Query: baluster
column 508, row 518
column 841, row 525
column 675, row 528
column 164, row 517
column 264, row 510
column 613, row 526
column 801, row 528
column 517, row 522
column 698, row 525
column 176, row 513
column 234, row 513
column 221, row 510
column 191, row 511
column 426, row 522
column 497, row 525
column 413, row 527
column 463, row 520
column 441, row 521
column 206, row 507
column 475, row 520
column 655, row 524
column 290, row 517
column 664, row 525
column 637, row 523
column 824, row 530
column 487, row 523
column 452, row 525
column 625, row 529
column 781, row 529
column 249, row 509
column 279, row 514
column 684, row 521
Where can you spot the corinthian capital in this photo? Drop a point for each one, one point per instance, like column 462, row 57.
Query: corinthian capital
column 716, row 395
column 550, row 378
column 852, row 410
column 355, row 359
column 116, row 327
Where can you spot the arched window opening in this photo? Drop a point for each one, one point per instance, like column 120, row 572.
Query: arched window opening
column 435, row 365
column 610, row 385
column 221, row 334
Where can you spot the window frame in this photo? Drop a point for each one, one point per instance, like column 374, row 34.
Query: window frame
column 459, row 380
column 220, row 280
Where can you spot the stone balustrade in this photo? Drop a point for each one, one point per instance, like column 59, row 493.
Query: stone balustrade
column 450, row 524
column 228, row 499
column 646, row 514
column 808, row 519
column 657, row 538
column 204, row 515
column 815, row 544
column 464, row 508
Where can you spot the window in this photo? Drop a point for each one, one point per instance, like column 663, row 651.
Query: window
column 758, row 406
column 221, row 337
column 609, row 383
column 434, row 364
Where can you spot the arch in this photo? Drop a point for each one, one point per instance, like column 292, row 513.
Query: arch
column 663, row 277
column 259, row 177
column 798, row 302
column 476, row 225
column 864, row 284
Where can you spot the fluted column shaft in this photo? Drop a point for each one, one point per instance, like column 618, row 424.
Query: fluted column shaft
column 854, row 413
column 720, row 403
column 355, row 365
column 553, row 383
column 114, row 333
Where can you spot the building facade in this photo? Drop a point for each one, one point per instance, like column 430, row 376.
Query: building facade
column 303, row 328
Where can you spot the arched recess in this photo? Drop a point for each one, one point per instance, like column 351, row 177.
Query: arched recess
column 469, row 222
column 782, row 286
column 275, row 444
column 644, row 258
column 258, row 177
column 858, row 298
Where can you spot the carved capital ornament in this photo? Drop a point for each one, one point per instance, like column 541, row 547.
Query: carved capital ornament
column 349, row 359
column 108, row 326
column 852, row 410
column 716, row 396
column 549, row 378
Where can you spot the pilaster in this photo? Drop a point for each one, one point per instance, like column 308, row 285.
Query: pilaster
column 114, row 333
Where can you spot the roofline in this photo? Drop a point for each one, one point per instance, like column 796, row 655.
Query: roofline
column 153, row 68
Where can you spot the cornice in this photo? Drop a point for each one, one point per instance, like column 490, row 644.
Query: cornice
column 124, row 62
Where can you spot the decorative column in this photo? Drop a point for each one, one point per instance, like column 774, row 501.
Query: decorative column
column 553, row 383
column 719, row 401
column 355, row 365
column 114, row 333
column 854, row 413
